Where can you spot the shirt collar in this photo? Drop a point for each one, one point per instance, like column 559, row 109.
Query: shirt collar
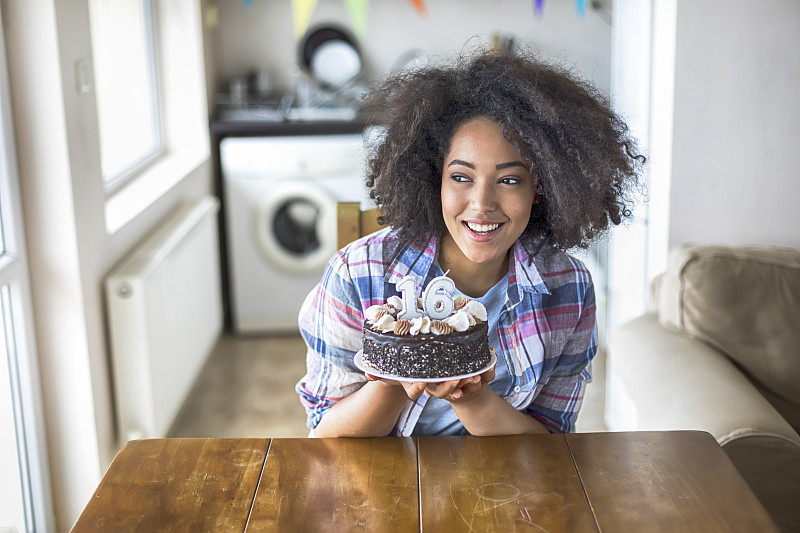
column 525, row 277
column 414, row 261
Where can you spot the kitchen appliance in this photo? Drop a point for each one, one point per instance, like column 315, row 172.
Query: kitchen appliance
column 280, row 196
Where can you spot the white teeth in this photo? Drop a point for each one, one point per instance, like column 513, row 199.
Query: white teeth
column 482, row 228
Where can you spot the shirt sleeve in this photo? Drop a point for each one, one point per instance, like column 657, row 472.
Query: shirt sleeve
column 330, row 322
column 560, row 398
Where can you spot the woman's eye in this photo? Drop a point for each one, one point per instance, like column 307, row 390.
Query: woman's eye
column 510, row 181
column 459, row 178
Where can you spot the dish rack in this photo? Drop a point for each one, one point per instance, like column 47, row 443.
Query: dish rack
column 272, row 107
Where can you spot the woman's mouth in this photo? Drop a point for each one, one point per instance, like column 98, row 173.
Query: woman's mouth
column 482, row 228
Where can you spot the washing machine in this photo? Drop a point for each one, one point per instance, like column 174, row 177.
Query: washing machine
column 280, row 196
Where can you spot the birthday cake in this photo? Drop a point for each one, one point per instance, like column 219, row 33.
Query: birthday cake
column 433, row 337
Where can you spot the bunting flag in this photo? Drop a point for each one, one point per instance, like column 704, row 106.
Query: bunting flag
column 358, row 15
column 301, row 13
column 581, row 5
column 419, row 5
column 538, row 8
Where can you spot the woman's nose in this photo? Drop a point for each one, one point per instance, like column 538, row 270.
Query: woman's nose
column 484, row 198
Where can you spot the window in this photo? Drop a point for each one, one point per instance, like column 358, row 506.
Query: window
column 13, row 461
column 174, row 35
column 24, row 504
column 125, row 74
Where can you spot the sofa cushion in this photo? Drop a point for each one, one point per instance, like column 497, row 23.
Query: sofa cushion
column 744, row 301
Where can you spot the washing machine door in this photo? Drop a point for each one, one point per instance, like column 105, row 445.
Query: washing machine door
column 296, row 226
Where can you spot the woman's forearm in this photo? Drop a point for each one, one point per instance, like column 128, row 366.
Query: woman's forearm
column 371, row 411
column 486, row 413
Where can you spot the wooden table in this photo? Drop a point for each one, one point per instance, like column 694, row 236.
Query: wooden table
column 609, row 482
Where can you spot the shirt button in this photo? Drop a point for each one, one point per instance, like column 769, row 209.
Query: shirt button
column 517, row 388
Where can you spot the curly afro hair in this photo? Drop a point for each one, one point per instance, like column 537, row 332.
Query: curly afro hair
column 578, row 149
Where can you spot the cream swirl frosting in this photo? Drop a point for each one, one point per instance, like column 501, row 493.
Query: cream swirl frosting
column 467, row 313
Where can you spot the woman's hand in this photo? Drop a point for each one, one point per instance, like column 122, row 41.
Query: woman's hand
column 445, row 390
column 413, row 390
column 459, row 390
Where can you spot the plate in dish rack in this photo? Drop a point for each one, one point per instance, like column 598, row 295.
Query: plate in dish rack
column 365, row 367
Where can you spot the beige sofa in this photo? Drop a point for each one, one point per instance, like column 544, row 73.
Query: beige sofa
column 719, row 351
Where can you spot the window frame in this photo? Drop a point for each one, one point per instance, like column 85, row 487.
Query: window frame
column 16, row 314
column 186, row 143
column 129, row 172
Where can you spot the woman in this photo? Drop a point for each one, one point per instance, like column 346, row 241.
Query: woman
column 490, row 170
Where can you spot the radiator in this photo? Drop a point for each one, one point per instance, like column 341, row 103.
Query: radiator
column 164, row 310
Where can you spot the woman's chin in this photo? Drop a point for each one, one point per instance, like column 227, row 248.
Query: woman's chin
column 486, row 258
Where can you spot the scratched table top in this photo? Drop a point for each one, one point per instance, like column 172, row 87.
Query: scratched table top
column 653, row 481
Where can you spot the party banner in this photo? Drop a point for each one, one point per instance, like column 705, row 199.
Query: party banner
column 419, row 5
column 358, row 15
column 301, row 13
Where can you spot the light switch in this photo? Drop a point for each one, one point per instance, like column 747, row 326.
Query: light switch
column 83, row 76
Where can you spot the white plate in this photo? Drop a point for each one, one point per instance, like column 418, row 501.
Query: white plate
column 364, row 367
column 335, row 63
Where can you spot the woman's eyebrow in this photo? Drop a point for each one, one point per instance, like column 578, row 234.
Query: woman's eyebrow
column 501, row 166
column 460, row 162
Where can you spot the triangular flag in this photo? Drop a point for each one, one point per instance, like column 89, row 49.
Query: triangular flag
column 581, row 4
column 419, row 5
column 301, row 13
column 358, row 15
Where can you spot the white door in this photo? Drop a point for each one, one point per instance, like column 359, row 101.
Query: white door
column 25, row 504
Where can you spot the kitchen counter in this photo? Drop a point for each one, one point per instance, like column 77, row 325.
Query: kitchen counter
column 254, row 128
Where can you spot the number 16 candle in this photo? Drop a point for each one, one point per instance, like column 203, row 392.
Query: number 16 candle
column 436, row 300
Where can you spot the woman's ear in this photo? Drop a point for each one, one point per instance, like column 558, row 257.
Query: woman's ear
column 537, row 197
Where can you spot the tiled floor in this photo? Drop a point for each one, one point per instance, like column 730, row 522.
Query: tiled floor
column 247, row 390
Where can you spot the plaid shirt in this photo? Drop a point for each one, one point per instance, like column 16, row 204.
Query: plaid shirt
column 546, row 331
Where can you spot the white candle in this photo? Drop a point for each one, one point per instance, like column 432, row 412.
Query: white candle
column 437, row 300
column 408, row 293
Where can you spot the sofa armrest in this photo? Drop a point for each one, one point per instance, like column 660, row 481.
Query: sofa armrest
column 660, row 380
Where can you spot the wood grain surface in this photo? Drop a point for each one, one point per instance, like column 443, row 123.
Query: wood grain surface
column 512, row 483
column 665, row 481
column 338, row 485
column 640, row 481
column 177, row 485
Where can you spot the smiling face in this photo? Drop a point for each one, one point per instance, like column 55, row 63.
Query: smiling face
column 487, row 196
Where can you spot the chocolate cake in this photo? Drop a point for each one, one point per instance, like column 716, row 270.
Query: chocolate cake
column 426, row 348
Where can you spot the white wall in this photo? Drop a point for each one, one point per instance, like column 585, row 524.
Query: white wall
column 259, row 35
column 716, row 99
column 70, row 251
column 735, row 159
